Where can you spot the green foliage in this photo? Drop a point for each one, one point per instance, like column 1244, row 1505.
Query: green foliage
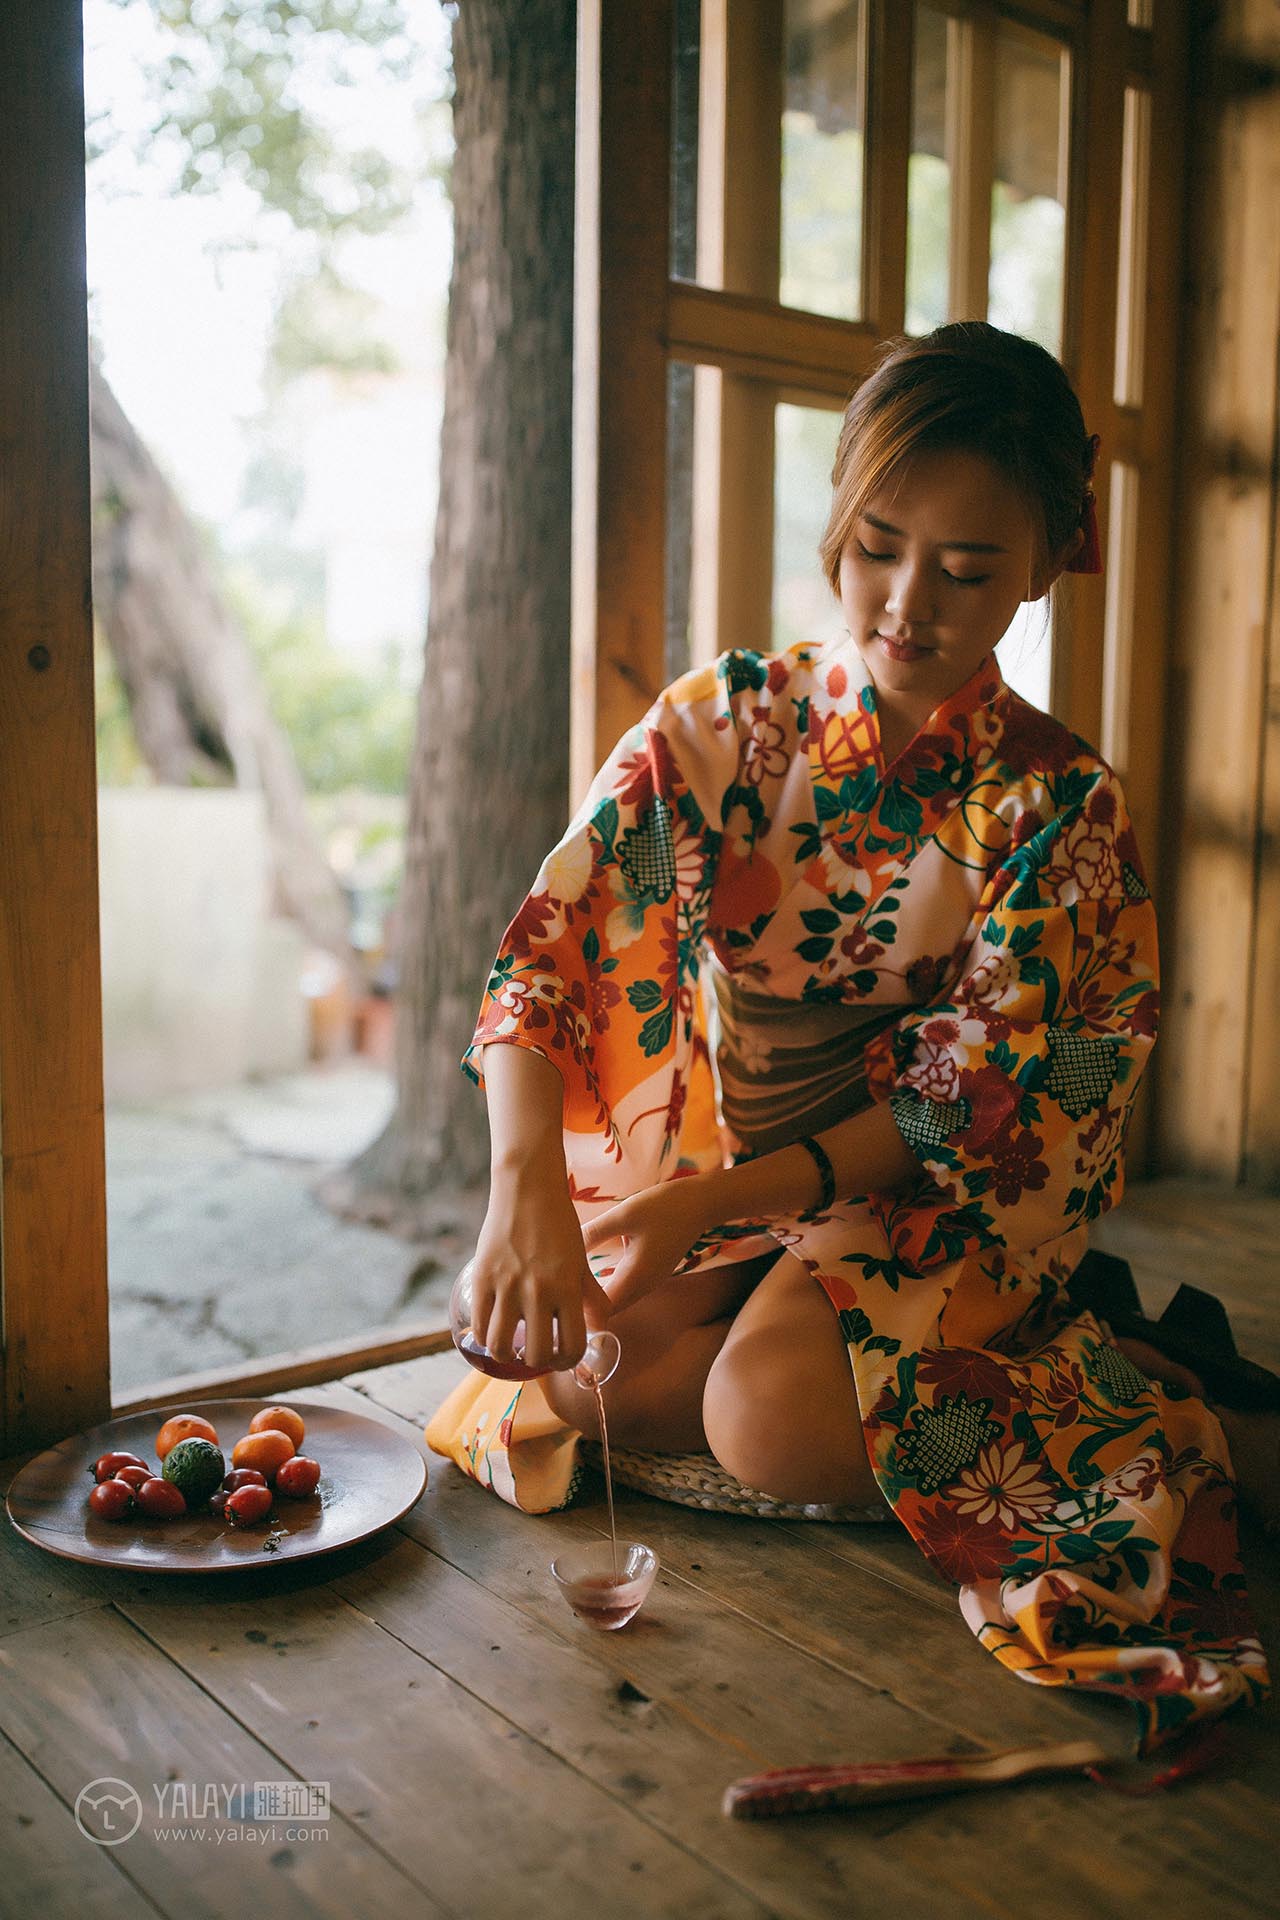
column 349, row 726
column 232, row 98
column 120, row 764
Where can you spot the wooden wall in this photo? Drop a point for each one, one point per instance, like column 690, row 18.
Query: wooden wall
column 1218, row 1062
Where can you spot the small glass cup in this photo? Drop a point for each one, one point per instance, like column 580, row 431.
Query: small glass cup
column 585, row 1577
column 598, row 1364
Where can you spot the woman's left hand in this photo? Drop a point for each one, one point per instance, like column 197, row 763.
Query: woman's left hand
column 657, row 1227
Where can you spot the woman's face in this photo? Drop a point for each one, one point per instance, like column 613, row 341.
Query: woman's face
column 937, row 563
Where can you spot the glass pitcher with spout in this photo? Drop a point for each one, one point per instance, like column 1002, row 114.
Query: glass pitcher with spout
column 597, row 1364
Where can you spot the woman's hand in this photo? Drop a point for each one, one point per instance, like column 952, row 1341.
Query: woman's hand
column 531, row 1265
column 656, row 1227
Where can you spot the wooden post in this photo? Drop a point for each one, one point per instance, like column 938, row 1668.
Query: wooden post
column 622, row 218
column 53, row 1252
column 970, row 136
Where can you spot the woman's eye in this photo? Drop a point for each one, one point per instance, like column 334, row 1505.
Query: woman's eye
column 868, row 555
column 969, row 580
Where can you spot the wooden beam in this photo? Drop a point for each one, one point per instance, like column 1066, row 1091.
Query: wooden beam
column 890, row 67
column 1215, row 1063
column 739, row 248
column 279, row 1372
column 971, row 145
column 53, row 1250
column 622, row 217
column 1089, row 332
column 758, row 337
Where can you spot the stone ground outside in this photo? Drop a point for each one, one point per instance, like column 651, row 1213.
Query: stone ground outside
column 218, row 1249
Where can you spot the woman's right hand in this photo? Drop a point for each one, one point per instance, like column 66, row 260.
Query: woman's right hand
column 530, row 1265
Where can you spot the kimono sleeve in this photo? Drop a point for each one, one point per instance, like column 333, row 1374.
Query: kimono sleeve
column 1015, row 1092
column 597, row 971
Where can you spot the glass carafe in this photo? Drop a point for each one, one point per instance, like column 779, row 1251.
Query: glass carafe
column 597, row 1364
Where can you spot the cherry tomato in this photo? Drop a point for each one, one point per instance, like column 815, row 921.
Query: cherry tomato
column 133, row 1476
column 266, row 1450
column 161, row 1499
column 280, row 1420
column 298, row 1477
column 243, row 1477
column 184, row 1426
column 105, row 1466
column 218, row 1502
column 247, row 1505
column 111, row 1499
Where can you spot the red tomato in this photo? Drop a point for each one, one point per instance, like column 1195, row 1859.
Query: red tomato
column 105, row 1466
column 218, row 1502
column 133, row 1476
column 111, row 1499
column 247, row 1505
column 161, row 1499
column 298, row 1477
column 243, row 1477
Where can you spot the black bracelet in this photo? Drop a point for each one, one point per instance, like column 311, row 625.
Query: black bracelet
column 824, row 1167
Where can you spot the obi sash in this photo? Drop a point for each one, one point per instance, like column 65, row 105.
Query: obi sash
column 786, row 1068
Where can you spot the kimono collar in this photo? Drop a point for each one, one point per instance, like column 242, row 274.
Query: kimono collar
column 967, row 725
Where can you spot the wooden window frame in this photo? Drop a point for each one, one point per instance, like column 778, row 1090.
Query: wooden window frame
column 631, row 320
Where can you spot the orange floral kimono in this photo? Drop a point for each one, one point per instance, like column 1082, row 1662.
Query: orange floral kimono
column 988, row 887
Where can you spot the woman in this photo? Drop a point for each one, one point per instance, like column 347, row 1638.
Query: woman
column 819, row 1032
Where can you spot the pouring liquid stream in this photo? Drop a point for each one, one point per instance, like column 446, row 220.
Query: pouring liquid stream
column 608, row 1479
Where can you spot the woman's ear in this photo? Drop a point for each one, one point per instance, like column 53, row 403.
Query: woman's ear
column 1043, row 578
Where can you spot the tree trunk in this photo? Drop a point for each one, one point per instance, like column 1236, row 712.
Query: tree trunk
column 199, row 711
column 489, row 793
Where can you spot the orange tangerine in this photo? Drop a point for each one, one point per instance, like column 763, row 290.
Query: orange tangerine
column 266, row 1450
column 184, row 1426
column 282, row 1420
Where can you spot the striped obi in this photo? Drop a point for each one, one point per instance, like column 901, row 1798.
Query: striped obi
column 786, row 1068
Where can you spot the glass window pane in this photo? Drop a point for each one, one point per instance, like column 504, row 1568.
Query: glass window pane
column 928, row 177
column 804, row 607
column 767, row 151
column 1028, row 202
column 1117, row 647
column 822, row 155
column 1131, row 279
column 1025, row 653
column 686, row 68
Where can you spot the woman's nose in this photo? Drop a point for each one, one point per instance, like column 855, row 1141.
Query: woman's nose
column 910, row 597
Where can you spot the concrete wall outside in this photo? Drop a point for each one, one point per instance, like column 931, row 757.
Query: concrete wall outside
column 200, row 983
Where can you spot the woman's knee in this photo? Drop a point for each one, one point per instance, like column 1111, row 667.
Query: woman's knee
column 779, row 1409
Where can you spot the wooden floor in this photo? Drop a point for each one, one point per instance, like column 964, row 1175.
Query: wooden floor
column 488, row 1754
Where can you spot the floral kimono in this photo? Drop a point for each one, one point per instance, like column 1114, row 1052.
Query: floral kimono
column 982, row 898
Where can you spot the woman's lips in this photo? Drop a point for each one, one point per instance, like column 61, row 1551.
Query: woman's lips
column 902, row 649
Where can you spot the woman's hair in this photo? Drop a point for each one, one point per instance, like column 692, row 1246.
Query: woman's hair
column 971, row 387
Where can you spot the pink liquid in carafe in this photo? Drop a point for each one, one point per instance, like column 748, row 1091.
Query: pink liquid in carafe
column 480, row 1357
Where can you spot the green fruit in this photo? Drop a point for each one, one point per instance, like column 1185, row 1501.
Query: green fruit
column 196, row 1468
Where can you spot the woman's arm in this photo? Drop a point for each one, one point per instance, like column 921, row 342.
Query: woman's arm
column 530, row 1262
column 867, row 1155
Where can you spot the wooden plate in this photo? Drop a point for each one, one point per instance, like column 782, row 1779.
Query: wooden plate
column 369, row 1476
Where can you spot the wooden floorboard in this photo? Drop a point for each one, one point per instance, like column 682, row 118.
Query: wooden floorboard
column 484, row 1748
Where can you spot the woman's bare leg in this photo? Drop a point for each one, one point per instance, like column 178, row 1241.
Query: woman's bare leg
column 669, row 1340
column 780, row 1407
